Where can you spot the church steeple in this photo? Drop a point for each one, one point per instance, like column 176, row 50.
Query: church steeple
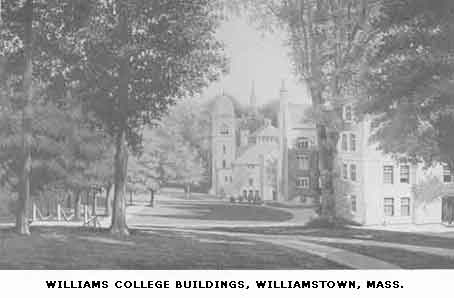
column 253, row 99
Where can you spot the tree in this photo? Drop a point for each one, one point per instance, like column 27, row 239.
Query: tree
column 177, row 150
column 30, row 31
column 408, row 76
column 69, row 154
column 325, row 38
column 137, row 58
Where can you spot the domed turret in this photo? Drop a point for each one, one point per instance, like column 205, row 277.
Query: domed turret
column 223, row 105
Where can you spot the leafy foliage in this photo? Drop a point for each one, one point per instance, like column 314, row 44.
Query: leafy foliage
column 66, row 150
column 409, row 77
column 170, row 51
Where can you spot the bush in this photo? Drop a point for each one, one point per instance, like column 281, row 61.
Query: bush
column 325, row 223
column 7, row 203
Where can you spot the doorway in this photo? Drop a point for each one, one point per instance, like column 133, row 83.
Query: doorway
column 447, row 210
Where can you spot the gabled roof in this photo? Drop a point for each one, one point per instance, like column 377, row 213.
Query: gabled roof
column 267, row 131
column 297, row 117
column 252, row 154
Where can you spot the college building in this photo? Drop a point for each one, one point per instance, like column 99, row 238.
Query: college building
column 377, row 189
column 276, row 163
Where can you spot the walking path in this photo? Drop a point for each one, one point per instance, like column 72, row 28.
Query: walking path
column 337, row 255
column 443, row 252
column 193, row 216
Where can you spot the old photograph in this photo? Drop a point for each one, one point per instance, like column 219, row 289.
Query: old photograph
column 226, row 134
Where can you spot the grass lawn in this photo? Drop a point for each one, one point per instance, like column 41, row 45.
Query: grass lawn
column 352, row 233
column 72, row 248
column 400, row 257
column 228, row 212
column 7, row 219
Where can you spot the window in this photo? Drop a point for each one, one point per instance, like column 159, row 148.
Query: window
column 405, row 174
column 447, row 175
column 352, row 142
column 224, row 130
column 348, row 116
column 302, row 143
column 303, row 161
column 389, row 206
column 224, row 164
column 302, row 182
column 344, row 142
column 224, row 149
column 353, row 172
column 226, row 179
column 251, row 181
column 388, row 174
column 353, row 203
column 231, row 179
column 345, row 171
column 405, row 207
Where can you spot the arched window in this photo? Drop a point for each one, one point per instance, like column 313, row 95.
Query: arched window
column 348, row 114
column 302, row 143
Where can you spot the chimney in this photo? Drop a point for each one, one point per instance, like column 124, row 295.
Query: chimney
column 282, row 175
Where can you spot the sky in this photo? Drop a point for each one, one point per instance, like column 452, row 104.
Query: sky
column 257, row 57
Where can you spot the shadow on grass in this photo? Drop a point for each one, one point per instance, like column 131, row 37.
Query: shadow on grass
column 321, row 228
column 205, row 211
column 402, row 258
column 87, row 248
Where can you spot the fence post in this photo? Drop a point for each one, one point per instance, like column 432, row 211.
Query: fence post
column 93, row 212
column 34, row 212
column 85, row 213
column 58, row 212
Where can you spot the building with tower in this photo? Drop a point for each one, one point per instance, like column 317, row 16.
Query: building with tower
column 223, row 144
column 254, row 160
column 242, row 154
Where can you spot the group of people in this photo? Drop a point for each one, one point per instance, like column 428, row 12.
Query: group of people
column 250, row 197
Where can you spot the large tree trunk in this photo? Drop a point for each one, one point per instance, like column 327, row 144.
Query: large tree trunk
column 119, row 226
column 187, row 191
column 326, row 166
column 151, row 197
column 22, row 225
column 324, row 174
column 108, row 201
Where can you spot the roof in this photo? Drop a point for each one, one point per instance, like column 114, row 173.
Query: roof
column 267, row 131
column 297, row 117
column 252, row 154
column 223, row 105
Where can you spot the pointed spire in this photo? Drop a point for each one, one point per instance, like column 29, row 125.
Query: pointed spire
column 283, row 88
column 253, row 97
